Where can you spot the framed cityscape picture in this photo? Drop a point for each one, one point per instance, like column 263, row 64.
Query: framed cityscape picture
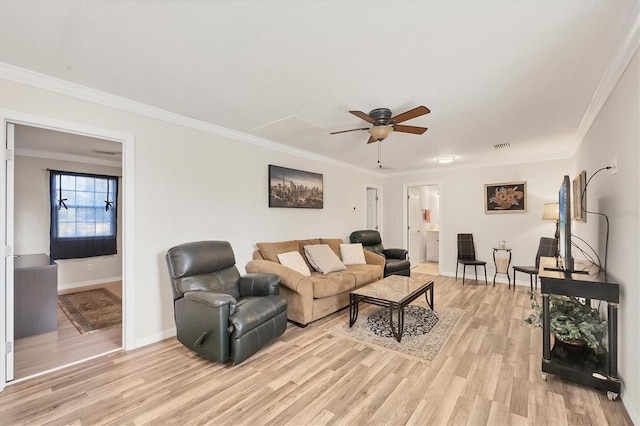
column 294, row 188
column 505, row 197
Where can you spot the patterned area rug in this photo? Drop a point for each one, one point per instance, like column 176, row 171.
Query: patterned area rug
column 425, row 332
column 92, row 310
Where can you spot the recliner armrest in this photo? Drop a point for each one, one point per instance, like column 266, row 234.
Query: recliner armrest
column 211, row 298
column 395, row 253
column 259, row 284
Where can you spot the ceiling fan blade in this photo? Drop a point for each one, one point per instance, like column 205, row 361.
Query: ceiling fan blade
column 363, row 116
column 350, row 130
column 409, row 129
column 372, row 140
column 412, row 113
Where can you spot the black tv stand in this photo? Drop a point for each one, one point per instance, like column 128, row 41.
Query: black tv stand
column 603, row 372
column 568, row 271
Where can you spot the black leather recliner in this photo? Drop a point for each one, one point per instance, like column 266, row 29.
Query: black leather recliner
column 396, row 262
column 220, row 314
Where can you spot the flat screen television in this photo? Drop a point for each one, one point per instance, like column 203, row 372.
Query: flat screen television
column 564, row 223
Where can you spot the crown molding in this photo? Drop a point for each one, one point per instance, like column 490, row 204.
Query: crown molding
column 67, row 157
column 43, row 81
column 621, row 56
column 477, row 165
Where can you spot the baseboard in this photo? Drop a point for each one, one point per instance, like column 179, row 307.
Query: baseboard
column 499, row 279
column 71, row 286
column 631, row 410
column 154, row 338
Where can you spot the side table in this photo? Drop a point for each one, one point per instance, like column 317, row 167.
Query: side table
column 502, row 265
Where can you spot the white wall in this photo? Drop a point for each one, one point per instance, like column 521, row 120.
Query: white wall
column 462, row 208
column 434, row 205
column 32, row 211
column 616, row 134
column 194, row 185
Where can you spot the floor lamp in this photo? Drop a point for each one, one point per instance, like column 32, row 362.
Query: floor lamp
column 552, row 212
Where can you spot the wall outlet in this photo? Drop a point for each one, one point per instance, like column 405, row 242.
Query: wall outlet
column 89, row 266
column 614, row 166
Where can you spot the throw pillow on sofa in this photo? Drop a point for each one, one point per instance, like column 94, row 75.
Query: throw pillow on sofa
column 323, row 259
column 352, row 254
column 294, row 260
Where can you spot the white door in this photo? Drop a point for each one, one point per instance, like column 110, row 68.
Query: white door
column 373, row 207
column 7, row 243
column 414, row 237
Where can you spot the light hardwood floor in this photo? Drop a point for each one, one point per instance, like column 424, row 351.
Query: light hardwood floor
column 428, row 268
column 488, row 373
column 43, row 352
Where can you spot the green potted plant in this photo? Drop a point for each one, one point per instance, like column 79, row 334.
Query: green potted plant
column 571, row 321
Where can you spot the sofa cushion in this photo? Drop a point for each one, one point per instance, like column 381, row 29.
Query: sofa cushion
column 323, row 259
column 334, row 243
column 352, row 254
column 364, row 274
column 307, row 242
column 270, row 251
column 331, row 284
column 294, row 260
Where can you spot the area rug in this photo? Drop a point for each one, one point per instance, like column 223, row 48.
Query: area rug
column 92, row 310
column 425, row 331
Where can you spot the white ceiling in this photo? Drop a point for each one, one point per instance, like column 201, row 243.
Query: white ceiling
column 491, row 72
column 38, row 142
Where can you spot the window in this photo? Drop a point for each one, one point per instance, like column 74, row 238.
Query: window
column 83, row 215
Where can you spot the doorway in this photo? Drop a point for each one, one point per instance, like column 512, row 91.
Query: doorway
column 422, row 224
column 78, row 139
column 373, row 210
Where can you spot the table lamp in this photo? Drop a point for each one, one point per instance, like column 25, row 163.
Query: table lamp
column 552, row 212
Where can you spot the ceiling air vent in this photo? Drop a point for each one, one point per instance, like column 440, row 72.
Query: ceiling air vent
column 501, row 145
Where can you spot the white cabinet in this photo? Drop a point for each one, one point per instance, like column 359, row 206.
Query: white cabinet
column 433, row 238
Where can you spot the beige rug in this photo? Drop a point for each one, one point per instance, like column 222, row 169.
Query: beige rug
column 425, row 331
column 92, row 310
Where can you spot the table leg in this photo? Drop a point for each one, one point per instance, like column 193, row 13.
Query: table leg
column 514, row 274
column 496, row 266
column 546, row 329
column 353, row 309
column 428, row 296
column 612, row 331
column 397, row 333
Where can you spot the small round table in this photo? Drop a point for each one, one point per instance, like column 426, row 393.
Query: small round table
column 502, row 265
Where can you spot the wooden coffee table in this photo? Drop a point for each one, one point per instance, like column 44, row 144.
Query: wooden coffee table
column 393, row 292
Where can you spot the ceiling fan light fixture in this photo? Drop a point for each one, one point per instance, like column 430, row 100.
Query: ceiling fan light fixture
column 446, row 159
column 380, row 132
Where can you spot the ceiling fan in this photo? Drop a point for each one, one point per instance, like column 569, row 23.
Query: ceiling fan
column 384, row 123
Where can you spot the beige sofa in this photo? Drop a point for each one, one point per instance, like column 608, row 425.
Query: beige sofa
column 314, row 297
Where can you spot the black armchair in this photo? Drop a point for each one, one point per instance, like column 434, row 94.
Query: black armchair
column 220, row 314
column 396, row 262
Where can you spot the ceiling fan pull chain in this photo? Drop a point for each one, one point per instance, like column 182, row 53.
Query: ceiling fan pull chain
column 379, row 154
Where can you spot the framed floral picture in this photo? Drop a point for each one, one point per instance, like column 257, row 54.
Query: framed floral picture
column 507, row 197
